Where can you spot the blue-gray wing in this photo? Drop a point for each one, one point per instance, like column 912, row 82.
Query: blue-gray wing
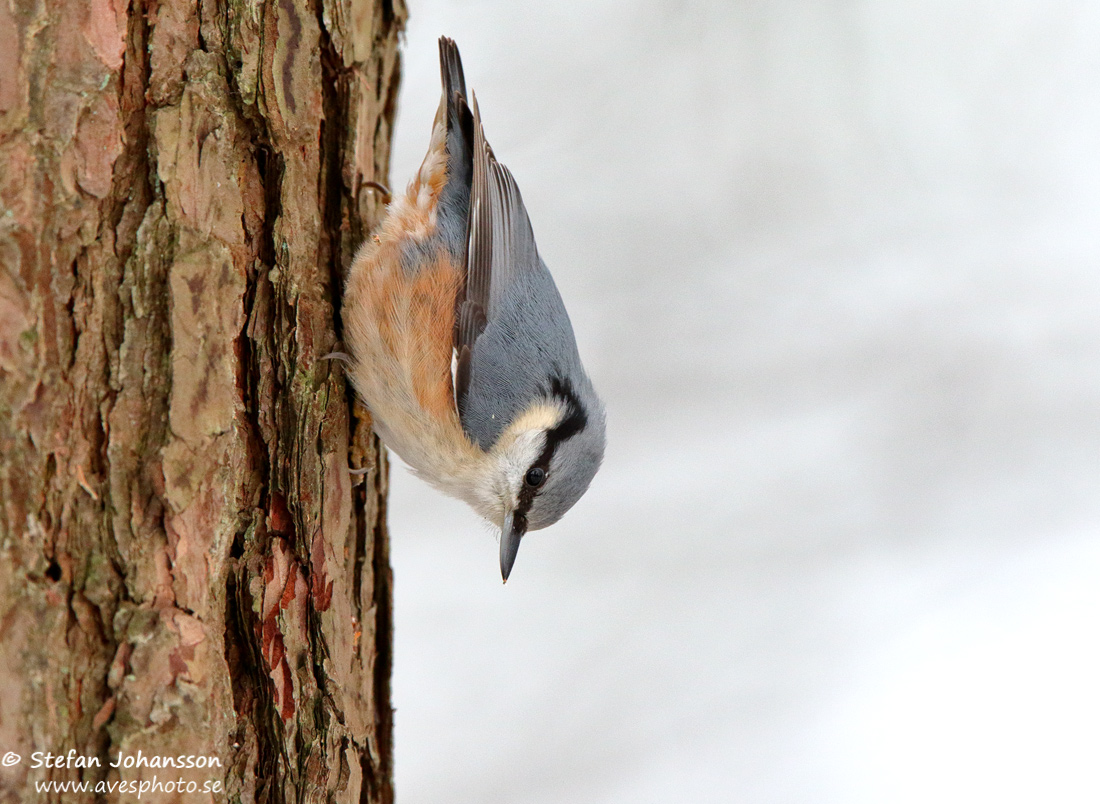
column 501, row 243
column 500, row 251
column 512, row 336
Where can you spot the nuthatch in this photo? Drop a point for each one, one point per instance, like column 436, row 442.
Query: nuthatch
column 459, row 342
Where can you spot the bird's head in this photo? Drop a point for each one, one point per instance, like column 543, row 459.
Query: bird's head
column 543, row 462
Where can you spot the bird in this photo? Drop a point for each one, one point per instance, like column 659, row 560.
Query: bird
column 459, row 343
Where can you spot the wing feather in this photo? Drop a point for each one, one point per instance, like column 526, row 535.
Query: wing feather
column 500, row 246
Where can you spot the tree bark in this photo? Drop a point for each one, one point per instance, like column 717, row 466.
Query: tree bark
column 186, row 566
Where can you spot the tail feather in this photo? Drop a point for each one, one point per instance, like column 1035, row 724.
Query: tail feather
column 450, row 65
column 455, row 200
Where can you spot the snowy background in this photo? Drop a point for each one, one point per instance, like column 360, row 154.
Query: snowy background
column 835, row 268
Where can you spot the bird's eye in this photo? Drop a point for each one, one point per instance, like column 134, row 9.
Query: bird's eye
column 535, row 477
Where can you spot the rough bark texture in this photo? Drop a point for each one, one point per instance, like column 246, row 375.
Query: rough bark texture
column 186, row 566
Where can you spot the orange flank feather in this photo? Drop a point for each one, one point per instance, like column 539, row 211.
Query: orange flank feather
column 431, row 321
column 403, row 324
column 399, row 319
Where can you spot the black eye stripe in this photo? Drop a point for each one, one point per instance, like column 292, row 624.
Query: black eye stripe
column 574, row 420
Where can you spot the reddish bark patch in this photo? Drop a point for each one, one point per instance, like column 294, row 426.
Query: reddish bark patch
column 105, row 30
column 98, row 144
column 105, row 713
column 282, row 584
column 322, row 584
column 279, row 519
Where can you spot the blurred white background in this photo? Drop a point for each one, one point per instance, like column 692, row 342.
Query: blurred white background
column 835, row 268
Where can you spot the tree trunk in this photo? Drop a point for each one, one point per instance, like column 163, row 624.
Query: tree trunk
column 186, row 567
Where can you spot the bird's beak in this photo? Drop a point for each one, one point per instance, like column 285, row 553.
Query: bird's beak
column 510, row 534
